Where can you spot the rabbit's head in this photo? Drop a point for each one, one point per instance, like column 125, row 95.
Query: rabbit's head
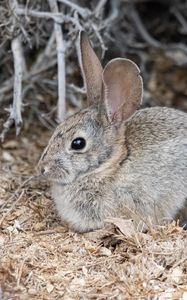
column 92, row 140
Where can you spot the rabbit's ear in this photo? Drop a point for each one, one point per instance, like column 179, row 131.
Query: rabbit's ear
column 91, row 69
column 123, row 89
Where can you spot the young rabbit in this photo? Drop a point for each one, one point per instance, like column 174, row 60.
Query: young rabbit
column 114, row 160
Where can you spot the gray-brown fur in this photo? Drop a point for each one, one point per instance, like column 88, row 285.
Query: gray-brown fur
column 134, row 163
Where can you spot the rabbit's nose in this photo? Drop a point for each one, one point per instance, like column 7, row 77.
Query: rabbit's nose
column 42, row 170
column 45, row 171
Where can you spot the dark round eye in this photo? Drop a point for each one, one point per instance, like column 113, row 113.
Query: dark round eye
column 78, row 143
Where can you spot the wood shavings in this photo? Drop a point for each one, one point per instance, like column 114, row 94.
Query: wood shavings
column 125, row 226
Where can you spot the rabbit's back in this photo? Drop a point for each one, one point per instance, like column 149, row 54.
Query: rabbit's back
column 151, row 126
column 153, row 175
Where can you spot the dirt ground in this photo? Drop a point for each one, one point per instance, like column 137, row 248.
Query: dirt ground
column 41, row 259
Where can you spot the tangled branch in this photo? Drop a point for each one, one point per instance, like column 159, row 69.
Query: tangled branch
column 42, row 37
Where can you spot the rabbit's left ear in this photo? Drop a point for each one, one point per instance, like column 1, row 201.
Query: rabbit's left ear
column 91, row 69
column 122, row 88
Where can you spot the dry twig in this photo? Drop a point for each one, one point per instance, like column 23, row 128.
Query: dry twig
column 120, row 22
column 61, row 106
column 19, row 64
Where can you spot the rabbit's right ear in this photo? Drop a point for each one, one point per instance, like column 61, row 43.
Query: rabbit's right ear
column 122, row 89
column 91, row 69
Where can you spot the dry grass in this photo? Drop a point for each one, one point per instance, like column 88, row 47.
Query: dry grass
column 41, row 259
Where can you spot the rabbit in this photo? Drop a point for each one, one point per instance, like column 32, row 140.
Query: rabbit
column 113, row 159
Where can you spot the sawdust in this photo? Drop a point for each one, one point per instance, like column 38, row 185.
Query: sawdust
column 41, row 259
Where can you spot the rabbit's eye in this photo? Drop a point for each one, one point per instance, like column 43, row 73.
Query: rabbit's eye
column 78, row 143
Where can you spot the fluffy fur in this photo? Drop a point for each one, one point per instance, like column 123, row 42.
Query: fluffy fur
column 134, row 166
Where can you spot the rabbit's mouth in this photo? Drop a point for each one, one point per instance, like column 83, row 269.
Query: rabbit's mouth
column 57, row 175
column 62, row 181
